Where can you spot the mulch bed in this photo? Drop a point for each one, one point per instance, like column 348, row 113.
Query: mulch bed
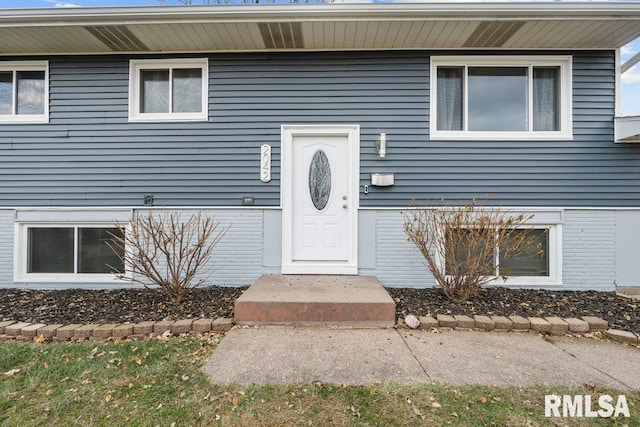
column 620, row 312
column 114, row 306
column 137, row 305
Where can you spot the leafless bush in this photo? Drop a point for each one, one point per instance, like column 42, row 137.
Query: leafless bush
column 466, row 245
column 165, row 251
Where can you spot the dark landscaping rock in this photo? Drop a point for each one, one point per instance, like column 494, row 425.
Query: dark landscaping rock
column 69, row 306
column 82, row 306
column 621, row 313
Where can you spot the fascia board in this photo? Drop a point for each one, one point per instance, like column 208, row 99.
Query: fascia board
column 304, row 12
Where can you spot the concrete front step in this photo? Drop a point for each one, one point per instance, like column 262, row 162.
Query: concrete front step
column 357, row 301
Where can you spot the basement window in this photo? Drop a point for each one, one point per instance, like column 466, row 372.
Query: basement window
column 538, row 263
column 55, row 252
column 168, row 90
column 24, row 92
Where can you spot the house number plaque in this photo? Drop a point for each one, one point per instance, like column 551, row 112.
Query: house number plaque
column 265, row 163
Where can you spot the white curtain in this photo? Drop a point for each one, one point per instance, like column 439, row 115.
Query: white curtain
column 6, row 93
column 155, row 91
column 449, row 98
column 30, row 92
column 545, row 99
column 187, row 90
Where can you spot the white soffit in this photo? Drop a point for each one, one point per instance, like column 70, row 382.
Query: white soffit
column 300, row 27
column 627, row 129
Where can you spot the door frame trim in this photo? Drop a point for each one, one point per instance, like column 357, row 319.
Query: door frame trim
column 352, row 133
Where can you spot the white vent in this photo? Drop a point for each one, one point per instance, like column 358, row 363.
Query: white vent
column 493, row 34
column 285, row 35
column 118, row 38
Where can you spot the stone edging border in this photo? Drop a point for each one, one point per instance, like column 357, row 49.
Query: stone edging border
column 547, row 325
column 39, row 332
column 22, row 331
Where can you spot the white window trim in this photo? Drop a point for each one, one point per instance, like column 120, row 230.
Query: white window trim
column 21, row 256
column 27, row 66
column 136, row 65
column 555, row 262
column 566, row 102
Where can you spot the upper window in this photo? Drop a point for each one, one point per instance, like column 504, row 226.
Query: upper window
column 171, row 90
column 24, row 92
column 501, row 97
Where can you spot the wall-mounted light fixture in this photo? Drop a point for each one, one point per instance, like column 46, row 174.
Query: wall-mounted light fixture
column 382, row 179
column 148, row 199
column 381, row 145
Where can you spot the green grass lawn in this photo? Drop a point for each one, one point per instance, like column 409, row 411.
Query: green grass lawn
column 158, row 382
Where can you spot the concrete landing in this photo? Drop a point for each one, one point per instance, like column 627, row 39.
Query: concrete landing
column 355, row 301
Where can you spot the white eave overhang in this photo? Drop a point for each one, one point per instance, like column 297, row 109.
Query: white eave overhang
column 627, row 129
column 302, row 27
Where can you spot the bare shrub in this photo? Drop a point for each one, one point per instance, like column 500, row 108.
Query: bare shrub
column 466, row 245
column 165, row 251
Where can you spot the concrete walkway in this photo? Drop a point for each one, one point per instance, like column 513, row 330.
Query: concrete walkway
column 366, row 356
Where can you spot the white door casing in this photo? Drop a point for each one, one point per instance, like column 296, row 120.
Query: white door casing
column 319, row 234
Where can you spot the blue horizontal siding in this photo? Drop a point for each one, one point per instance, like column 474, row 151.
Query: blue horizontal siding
column 90, row 155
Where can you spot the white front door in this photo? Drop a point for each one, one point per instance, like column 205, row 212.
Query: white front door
column 320, row 199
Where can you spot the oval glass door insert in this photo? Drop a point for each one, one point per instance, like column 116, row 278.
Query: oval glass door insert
column 320, row 180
